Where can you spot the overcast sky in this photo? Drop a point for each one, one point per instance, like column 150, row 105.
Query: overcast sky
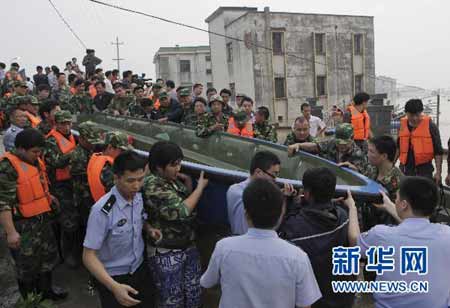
column 411, row 38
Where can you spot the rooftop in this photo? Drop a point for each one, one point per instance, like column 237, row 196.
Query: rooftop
column 183, row 49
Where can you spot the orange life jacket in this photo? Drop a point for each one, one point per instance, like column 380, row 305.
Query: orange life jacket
column 92, row 91
column 247, row 131
column 360, row 123
column 32, row 186
column 66, row 146
column 94, row 170
column 419, row 140
column 34, row 120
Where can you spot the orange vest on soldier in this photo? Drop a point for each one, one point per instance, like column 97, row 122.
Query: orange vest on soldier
column 32, row 186
column 247, row 131
column 360, row 122
column 419, row 140
column 94, row 170
column 34, row 120
column 66, row 146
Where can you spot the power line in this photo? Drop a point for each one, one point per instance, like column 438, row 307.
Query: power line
column 226, row 36
column 118, row 58
column 67, row 24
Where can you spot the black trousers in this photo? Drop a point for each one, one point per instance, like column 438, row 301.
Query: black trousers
column 141, row 280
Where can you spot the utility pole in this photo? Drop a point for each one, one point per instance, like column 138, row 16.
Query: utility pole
column 118, row 58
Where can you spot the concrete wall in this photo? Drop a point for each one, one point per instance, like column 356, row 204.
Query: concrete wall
column 199, row 65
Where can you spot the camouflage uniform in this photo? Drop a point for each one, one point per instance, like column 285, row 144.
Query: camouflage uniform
column 63, row 96
column 355, row 156
column 121, row 104
column 135, row 109
column 188, row 114
column 82, row 103
column 192, row 119
column 176, row 269
column 38, row 248
column 265, row 131
column 291, row 139
column 208, row 120
column 44, row 127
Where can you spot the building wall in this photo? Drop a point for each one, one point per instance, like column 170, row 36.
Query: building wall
column 198, row 67
column 299, row 64
column 387, row 85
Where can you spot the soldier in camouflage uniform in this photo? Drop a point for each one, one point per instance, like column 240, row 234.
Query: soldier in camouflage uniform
column 341, row 149
column 214, row 121
column 30, row 237
column 81, row 100
column 300, row 132
column 170, row 204
column 47, row 112
column 186, row 105
column 58, row 168
column 261, row 128
column 199, row 111
column 62, row 94
column 121, row 101
column 43, row 93
column 381, row 154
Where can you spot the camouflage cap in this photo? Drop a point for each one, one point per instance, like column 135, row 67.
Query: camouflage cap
column 23, row 99
column 241, row 116
column 63, row 116
column 90, row 132
column 185, row 92
column 20, row 83
column 163, row 95
column 344, row 133
column 118, row 140
column 34, row 100
column 215, row 98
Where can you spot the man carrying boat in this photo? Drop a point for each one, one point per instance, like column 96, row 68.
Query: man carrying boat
column 419, row 143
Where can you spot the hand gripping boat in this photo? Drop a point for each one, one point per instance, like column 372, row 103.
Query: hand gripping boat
column 226, row 159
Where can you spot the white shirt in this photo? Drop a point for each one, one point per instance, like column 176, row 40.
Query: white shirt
column 108, row 86
column 315, row 125
column 260, row 270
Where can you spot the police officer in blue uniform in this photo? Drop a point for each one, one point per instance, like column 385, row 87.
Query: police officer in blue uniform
column 114, row 243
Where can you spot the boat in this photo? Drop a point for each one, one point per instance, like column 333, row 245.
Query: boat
column 225, row 159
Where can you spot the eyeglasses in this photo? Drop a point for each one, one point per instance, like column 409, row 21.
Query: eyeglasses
column 273, row 176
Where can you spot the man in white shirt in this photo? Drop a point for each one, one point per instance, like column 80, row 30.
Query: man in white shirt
column 258, row 269
column 316, row 125
column 108, row 82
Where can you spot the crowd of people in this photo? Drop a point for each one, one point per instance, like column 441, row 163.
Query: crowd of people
column 90, row 199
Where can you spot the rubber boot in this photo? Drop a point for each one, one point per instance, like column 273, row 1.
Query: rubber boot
column 26, row 287
column 49, row 291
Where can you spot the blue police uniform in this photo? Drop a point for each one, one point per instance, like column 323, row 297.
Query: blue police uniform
column 10, row 137
column 413, row 232
column 114, row 230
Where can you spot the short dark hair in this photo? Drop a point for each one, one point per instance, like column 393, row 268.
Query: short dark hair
column 200, row 99
column 159, row 79
column 72, row 78
column 43, row 87
column 263, row 202
column 61, row 74
column 263, row 160
column 209, row 90
column 225, row 91
column 128, row 161
column 2, row 65
column 246, row 99
column 29, row 138
column 361, row 98
column 320, row 183
column 108, row 73
column 385, row 145
column 264, row 111
column 100, row 83
column 414, row 106
column 15, row 64
column 39, row 67
column 127, row 74
column 304, row 105
column 79, row 82
column 163, row 153
column 47, row 107
column 98, row 70
column 170, row 84
column 138, row 88
column 115, row 72
column 196, row 85
column 118, row 85
column 68, row 63
column 421, row 193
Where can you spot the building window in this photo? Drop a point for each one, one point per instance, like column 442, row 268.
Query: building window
column 185, row 66
column 358, row 44
column 321, row 84
column 359, row 83
column 277, row 43
column 230, row 52
column 209, row 85
column 280, row 89
column 208, row 58
column 319, row 40
column 208, row 71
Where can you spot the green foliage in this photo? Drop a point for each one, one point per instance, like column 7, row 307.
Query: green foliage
column 34, row 300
